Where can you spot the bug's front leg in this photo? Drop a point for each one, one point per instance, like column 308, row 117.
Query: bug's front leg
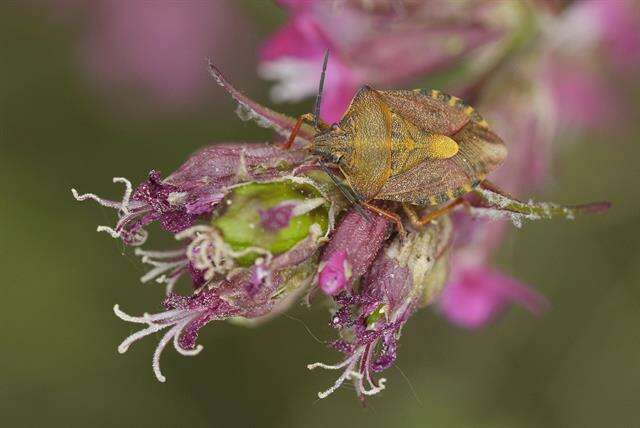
column 389, row 215
column 309, row 117
column 419, row 222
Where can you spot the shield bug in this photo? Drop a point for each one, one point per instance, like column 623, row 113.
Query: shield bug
column 421, row 148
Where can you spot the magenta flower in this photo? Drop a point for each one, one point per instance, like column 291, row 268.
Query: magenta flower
column 404, row 276
column 350, row 253
column 378, row 47
column 334, row 274
column 528, row 95
column 259, row 228
column 561, row 82
column 233, row 274
column 614, row 26
column 583, row 50
column 475, row 295
column 157, row 48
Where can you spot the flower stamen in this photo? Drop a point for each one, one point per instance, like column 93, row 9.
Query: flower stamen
column 209, row 252
column 177, row 319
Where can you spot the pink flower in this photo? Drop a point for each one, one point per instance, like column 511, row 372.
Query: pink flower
column 224, row 205
column 332, row 278
column 475, row 295
column 373, row 47
column 578, row 52
column 160, row 48
column 582, row 96
column 617, row 26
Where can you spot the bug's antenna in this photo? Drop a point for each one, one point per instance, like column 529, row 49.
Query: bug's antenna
column 316, row 109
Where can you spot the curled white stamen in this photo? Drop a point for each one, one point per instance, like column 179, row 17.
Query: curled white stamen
column 124, row 345
column 209, row 253
column 177, row 319
column 128, row 190
column 114, row 233
column 164, row 272
column 170, row 283
column 350, row 374
column 158, row 254
column 186, row 352
column 160, row 268
column 328, row 366
column 104, row 202
column 347, row 374
column 155, row 361
column 124, row 207
column 374, row 389
column 147, row 318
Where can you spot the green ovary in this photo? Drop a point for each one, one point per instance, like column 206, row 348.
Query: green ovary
column 240, row 223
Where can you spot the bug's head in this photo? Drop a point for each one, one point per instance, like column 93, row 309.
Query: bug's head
column 332, row 145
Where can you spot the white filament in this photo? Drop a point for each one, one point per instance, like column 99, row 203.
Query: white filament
column 177, row 319
column 124, row 207
column 349, row 374
column 209, row 253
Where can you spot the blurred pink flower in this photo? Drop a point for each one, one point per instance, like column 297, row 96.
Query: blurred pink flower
column 582, row 47
column 583, row 98
column 563, row 81
column 379, row 47
column 161, row 47
column 475, row 295
column 617, row 26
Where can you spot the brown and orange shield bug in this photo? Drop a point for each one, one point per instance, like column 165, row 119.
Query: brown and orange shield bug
column 421, row 148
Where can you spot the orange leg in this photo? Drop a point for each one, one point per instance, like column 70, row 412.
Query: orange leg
column 389, row 215
column 294, row 132
column 296, row 128
column 431, row 215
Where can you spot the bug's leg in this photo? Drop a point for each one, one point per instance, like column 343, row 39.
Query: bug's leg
column 432, row 215
column 294, row 132
column 412, row 215
column 296, row 128
column 389, row 215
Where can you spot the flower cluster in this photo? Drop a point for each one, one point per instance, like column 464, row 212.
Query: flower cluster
column 260, row 227
column 154, row 49
column 376, row 43
column 535, row 69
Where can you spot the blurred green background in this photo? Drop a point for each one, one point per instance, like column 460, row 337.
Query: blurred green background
column 577, row 366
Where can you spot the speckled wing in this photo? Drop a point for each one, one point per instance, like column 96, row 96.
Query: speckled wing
column 429, row 110
column 368, row 120
column 436, row 181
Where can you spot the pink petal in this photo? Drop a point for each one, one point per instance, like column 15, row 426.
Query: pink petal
column 620, row 29
column 161, row 47
column 582, row 97
column 400, row 55
column 476, row 295
column 333, row 276
column 360, row 238
column 340, row 87
column 299, row 38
